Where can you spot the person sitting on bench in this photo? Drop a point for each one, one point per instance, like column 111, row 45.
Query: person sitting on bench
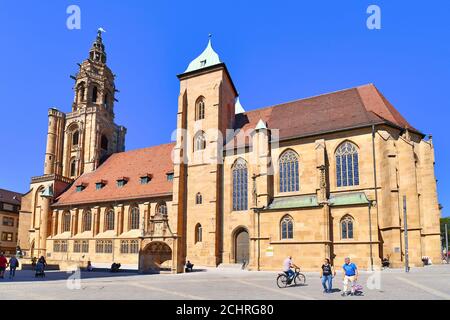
column 189, row 266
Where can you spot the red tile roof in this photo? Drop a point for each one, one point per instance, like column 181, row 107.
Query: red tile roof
column 10, row 197
column 350, row 108
column 156, row 161
column 346, row 109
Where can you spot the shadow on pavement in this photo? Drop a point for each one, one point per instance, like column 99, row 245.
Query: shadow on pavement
column 29, row 275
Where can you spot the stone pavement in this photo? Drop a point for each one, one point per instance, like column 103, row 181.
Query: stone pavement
column 428, row 283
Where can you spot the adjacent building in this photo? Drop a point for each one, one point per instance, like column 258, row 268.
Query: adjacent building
column 320, row 177
column 9, row 220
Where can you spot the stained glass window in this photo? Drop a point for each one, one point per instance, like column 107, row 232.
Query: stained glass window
column 134, row 218
column 200, row 109
column 240, row 188
column 287, row 228
column 199, row 141
column 347, row 168
column 66, row 222
column 347, row 228
column 289, row 178
column 87, row 221
column 109, row 220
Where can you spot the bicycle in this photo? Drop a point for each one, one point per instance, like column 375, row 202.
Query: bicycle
column 298, row 279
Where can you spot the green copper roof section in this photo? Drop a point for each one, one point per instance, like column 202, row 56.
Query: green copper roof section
column 238, row 109
column 206, row 59
column 293, row 202
column 342, row 199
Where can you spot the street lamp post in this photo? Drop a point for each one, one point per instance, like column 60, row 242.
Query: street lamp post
column 446, row 243
column 406, row 235
column 370, row 235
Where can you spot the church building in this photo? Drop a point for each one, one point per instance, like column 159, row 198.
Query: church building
column 327, row 176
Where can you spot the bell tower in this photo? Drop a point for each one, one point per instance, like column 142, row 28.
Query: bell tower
column 206, row 109
column 90, row 134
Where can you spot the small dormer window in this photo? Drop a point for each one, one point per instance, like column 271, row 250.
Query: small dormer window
column 145, row 179
column 203, row 63
column 122, row 181
column 99, row 185
column 80, row 187
column 170, row 176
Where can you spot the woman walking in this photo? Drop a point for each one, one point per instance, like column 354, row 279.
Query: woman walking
column 326, row 274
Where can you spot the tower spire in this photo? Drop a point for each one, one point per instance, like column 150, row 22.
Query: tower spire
column 97, row 52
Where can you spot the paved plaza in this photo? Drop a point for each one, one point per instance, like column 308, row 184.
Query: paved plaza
column 430, row 283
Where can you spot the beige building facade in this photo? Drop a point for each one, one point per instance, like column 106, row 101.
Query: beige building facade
column 321, row 177
column 9, row 221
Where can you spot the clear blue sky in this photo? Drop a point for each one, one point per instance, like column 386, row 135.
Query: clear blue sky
column 276, row 51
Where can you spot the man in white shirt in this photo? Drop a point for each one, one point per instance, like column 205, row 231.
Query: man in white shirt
column 288, row 264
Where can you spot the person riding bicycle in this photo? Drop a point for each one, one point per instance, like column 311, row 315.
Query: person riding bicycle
column 288, row 264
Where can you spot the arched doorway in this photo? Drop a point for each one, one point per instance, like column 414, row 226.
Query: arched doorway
column 154, row 257
column 241, row 246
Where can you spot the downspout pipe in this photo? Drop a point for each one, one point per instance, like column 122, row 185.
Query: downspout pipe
column 375, row 187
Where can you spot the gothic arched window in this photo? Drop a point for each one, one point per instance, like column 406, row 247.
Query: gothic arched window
column 240, row 180
column 200, row 109
column 287, row 228
column 347, row 227
column 199, row 141
column 75, row 138
column 94, row 94
column 134, row 218
column 104, row 142
column 109, row 220
column 66, row 222
column 347, row 167
column 161, row 208
column 73, row 167
column 289, row 178
column 106, row 100
column 81, row 92
column 87, row 221
column 198, row 233
column 198, row 198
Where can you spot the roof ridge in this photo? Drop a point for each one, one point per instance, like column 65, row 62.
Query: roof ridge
column 309, row 97
column 145, row 148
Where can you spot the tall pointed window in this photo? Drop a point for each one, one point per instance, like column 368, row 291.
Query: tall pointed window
column 347, row 227
column 198, row 233
column 94, row 94
column 109, row 220
column 87, row 221
column 75, row 138
column 200, row 109
column 66, row 222
column 199, row 141
column 73, row 167
column 240, row 181
column 347, row 167
column 287, row 228
column 289, row 178
column 198, row 198
column 134, row 218
column 81, row 91
column 104, row 142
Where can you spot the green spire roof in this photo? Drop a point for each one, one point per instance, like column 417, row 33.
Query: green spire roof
column 206, row 59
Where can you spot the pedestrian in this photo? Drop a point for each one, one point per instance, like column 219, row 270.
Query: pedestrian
column 13, row 265
column 326, row 274
column 350, row 275
column 42, row 260
column 3, row 264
